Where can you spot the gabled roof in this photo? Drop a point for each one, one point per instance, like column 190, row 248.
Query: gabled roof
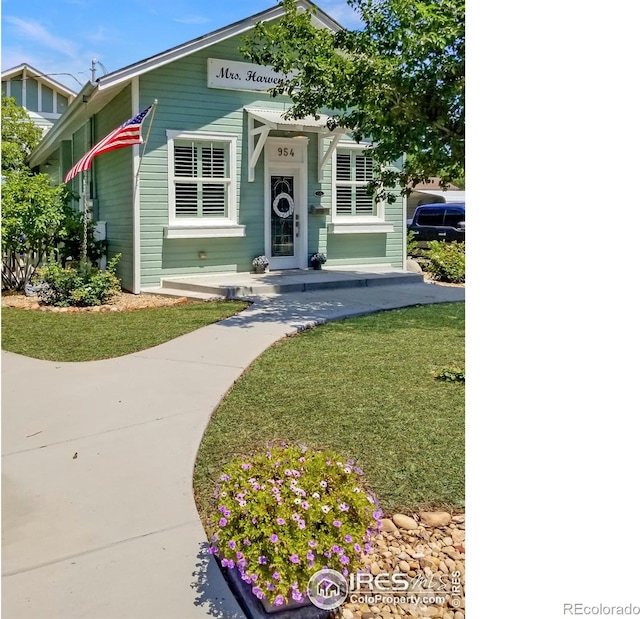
column 93, row 97
column 38, row 75
column 320, row 19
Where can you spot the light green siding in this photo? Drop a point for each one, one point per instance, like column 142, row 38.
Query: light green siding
column 47, row 99
column 4, row 88
column 32, row 95
column 63, row 103
column 16, row 89
column 113, row 187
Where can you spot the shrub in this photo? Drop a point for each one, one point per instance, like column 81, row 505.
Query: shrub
column 70, row 238
column 32, row 214
column 413, row 249
column 282, row 515
column 451, row 374
column 82, row 287
column 445, row 261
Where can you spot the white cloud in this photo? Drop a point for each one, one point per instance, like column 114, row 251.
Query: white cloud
column 30, row 29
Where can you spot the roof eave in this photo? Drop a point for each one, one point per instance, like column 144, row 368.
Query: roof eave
column 217, row 36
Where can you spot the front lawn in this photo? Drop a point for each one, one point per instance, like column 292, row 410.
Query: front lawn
column 366, row 388
column 88, row 336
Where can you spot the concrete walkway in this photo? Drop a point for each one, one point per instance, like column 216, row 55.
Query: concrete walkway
column 113, row 532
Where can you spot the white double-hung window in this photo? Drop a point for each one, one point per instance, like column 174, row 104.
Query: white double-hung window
column 202, row 185
column 354, row 210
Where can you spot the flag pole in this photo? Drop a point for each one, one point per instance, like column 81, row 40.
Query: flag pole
column 146, row 140
column 84, row 219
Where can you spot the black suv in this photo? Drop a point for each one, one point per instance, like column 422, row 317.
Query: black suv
column 438, row 222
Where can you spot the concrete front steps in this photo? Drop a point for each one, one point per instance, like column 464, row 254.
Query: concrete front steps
column 240, row 285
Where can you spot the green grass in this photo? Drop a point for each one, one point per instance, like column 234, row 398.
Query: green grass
column 87, row 336
column 366, row 388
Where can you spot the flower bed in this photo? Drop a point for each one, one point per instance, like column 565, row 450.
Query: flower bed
column 284, row 514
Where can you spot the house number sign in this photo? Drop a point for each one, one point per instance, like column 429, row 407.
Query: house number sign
column 290, row 153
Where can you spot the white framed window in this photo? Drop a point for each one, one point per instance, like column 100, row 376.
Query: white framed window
column 354, row 210
column 202, row 185
column 353, row 171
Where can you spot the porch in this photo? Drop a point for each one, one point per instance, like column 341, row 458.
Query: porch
column 236, row 285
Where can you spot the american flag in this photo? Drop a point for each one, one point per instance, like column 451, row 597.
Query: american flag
column 126, row 134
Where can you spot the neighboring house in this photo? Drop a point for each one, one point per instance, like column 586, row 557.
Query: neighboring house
column 43, row 97
column 223, row 177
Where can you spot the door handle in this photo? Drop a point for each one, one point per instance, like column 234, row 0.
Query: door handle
column 297, row 222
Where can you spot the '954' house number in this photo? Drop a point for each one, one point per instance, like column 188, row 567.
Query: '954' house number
column 285, row 152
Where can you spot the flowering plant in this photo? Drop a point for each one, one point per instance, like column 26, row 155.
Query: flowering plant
column 282, row 515
column 318, row 258
column 260, row 261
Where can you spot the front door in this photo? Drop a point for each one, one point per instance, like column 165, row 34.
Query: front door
column 284, row 220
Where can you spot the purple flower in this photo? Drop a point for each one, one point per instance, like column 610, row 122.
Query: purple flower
column 254, row 577
column 276, row 576
column 280, row 521
column 232, row 545
column 344, row 559
column 295, row 516
column 305, row 505
column 343, row 507
column 323, row 484
column 246, row 542
column 273, row 538
column 296, row 595
column 270, row 586
column 377, row 514
column 348, row 538
column 335, row 548
column 301, row 524
column 357, row 547
column 337, row 523
column 258, row 593
column 245, row 466
column 367, row 548
column 310, row 555
column 212, row 550
column 279, row 601
column 313, row 544
column 294, row 559
column 262, row 560
column 287, row 472
column 222, row 522
column 238, row 555
column 224, row 477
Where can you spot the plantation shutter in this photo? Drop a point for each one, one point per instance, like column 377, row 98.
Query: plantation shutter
column 353, row 172
column 206, row 166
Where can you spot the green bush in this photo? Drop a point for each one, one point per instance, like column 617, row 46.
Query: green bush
column 413, row 249
column 82, row 287
column 445, row 261
column 70, row 237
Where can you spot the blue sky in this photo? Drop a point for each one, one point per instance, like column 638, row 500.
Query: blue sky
column 62, row 36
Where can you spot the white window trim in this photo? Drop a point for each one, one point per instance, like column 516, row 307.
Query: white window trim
column 204, row 227
column 354, row 224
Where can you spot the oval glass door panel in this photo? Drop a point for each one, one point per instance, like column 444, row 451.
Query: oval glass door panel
column 282, row 216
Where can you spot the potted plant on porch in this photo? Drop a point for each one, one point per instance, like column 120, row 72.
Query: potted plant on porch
column 261, row 264
column 284, row 514
column 317, row 260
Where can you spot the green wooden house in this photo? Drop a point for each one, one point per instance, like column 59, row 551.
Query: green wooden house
column 223, row 176
column 44, row 98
